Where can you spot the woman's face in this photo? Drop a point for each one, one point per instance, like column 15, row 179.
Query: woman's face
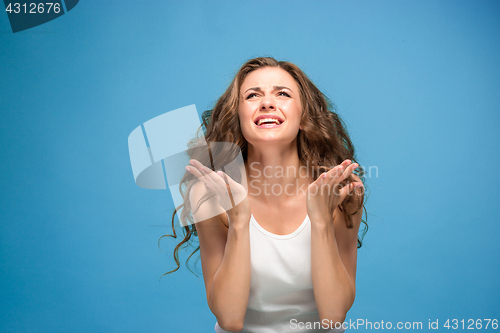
column 269, row 106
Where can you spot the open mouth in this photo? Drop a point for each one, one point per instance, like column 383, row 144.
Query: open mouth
column 268, row 121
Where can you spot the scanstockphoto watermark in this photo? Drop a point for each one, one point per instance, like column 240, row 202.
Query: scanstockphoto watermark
column 430, row 324
column 258, row 187
column 354, row 325
column 256, row 171
column 267, row 180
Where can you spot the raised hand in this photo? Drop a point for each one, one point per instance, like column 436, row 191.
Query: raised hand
column 326, row 192
column 231, row 196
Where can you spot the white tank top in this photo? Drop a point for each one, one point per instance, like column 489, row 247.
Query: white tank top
column 281, row 292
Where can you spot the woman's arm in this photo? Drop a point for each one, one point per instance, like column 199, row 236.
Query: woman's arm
column 333, row 265
column 225, row 259
column 333, row 246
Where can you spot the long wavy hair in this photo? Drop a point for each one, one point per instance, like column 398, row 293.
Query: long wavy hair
column 322, row 144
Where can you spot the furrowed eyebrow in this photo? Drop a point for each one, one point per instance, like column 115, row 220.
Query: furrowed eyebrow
column 281, row 88
column 254, row 88
column 275, row 88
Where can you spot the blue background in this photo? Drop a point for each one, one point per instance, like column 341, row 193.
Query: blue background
column 417, row 83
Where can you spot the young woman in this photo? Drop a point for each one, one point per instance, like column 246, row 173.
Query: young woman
column 284, row 258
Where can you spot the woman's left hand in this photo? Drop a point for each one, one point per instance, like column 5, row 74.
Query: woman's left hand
column 326, row 193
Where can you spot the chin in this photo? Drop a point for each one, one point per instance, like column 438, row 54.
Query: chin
column 271, row 139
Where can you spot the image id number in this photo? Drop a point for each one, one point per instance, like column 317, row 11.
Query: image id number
column 471, row 324
column 34, row 8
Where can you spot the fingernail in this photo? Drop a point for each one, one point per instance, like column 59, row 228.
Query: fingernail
column 188, row 169
column 355, row 165
column 191, row 162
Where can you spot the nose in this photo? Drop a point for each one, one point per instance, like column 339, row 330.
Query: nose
column 268, row 103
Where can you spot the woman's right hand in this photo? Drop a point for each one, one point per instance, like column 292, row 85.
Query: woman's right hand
column 232, row 196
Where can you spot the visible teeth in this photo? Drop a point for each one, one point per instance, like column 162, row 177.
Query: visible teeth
column 268, row 120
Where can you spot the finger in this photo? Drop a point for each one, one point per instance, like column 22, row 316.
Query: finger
column 203, row 174
column 214, row 182
column 347, row 190
column 345, row 163
column 320, row 180
column 220, row 187
column 213, row 177
column 195, row 172
column 334, row 173
column 347, row 172
column 200, row 178
column 197, row 164
column 359, row 188
column 355, row 188
column 353, row 167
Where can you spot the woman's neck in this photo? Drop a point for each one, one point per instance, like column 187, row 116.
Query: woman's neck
column 275, row 173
